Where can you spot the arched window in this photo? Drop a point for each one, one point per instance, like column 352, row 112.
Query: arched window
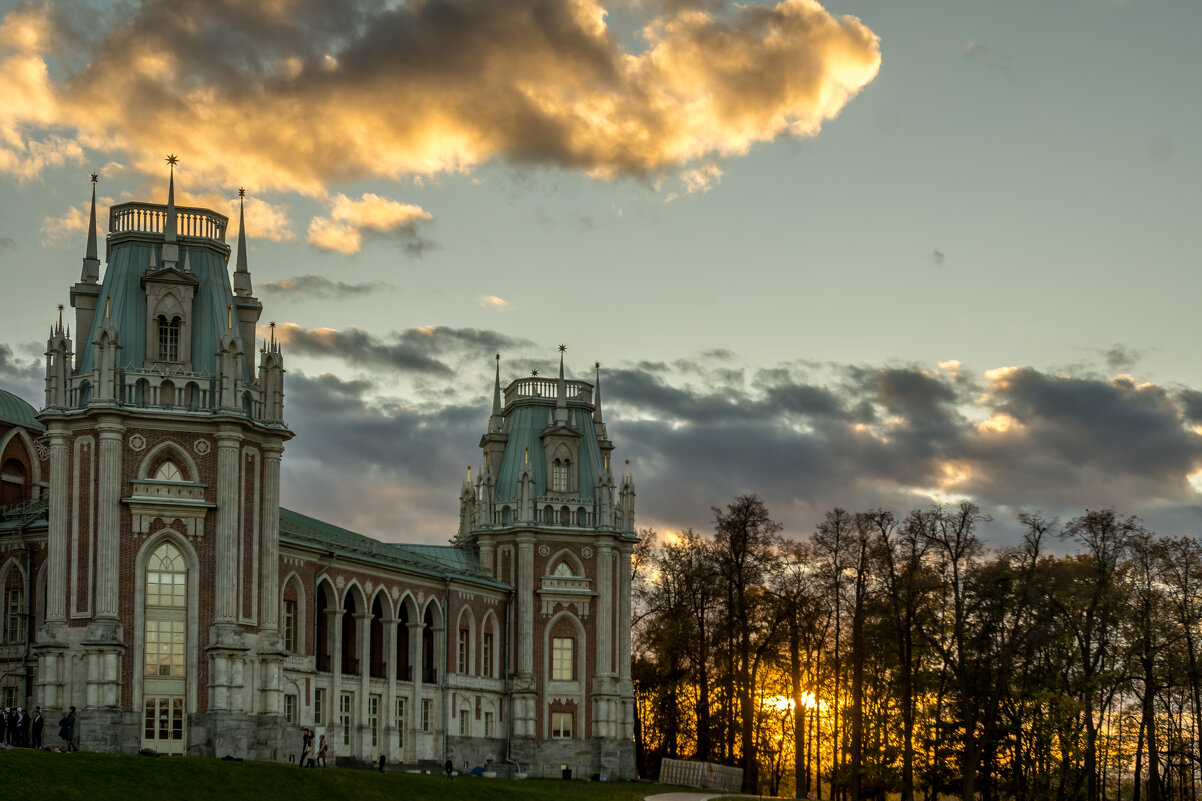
column 166, row 600
column 559, row 475
column 563, row 569
column 168, row 471
column 168, row 339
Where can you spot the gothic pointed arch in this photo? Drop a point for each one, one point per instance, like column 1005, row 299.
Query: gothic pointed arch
column 168, row 452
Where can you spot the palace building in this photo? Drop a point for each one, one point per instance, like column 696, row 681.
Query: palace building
column 151, row 579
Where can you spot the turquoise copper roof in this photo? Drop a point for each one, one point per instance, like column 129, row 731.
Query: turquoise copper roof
column 524, row 425
column 129, row 260
column 18, row 412
column 442, row 561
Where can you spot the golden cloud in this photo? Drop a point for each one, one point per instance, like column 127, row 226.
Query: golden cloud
column 290, row 95
column 343, row 229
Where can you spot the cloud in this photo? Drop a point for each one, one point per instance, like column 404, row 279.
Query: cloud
column 22, row 377
column 8, row 243
column 342, row 231
column 316, row 286
column 937, row 257
column 417, row 350
column 1121, row 358
column 299, row 95
column 493, row 302
column 71, row 227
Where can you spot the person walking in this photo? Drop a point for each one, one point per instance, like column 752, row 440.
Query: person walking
column 450, row 767
column 36, row 727
column 322, row 751
column 72, row 739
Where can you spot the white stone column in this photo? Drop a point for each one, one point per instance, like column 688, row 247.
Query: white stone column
column 363, row 636
column 228, row 469
column 390, row 669
column 605, row 610
column 414, row 724
column 108, row 517
column 56, row 546
column 624, row 611
column 269, row 591
column 525, row 591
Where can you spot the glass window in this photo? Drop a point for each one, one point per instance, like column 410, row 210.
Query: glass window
column 400, row 722
column 486, row 655
column 289, row 625
column 290, row 708
column 166, row 577
column 564, row 569
column 319, row 706
column 561, row 725
column 345, row 705
column 463, row 716
column 165, row 648
column 168, row 339
column 461, row 663
column 562, row 649
column 427, row 709
column 489, row 725
column 16, row 614
column 559, row 476
column 373, row 719
column 168, row 471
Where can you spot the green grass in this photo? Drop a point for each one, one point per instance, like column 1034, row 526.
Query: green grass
column 108, row 777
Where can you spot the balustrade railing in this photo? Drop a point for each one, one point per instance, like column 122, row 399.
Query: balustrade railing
column 151, row 218
column 547, row 388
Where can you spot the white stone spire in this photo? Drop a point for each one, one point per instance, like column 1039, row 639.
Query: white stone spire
column 91, row 262
column 561, row 393
column 497, row 421
column 170, row 236
column 241, row 273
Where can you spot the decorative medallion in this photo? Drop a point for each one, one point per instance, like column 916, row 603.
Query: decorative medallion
column 396, row 593
column 587, row 552
column 543, row 550
column 340, row 582
column 367, row 588
column 201, row 446
column 43, row 449
column 137, row 442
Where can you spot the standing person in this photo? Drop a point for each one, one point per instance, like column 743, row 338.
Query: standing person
column 450, row 766
column 306, row 744
column 72, row 739
column 10, row 730
column 36, row 728
column 322, row 751
column 22, row 728
column 4, row 724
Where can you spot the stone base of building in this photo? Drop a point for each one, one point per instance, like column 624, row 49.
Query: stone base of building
column 611, row 759
column 207, row 734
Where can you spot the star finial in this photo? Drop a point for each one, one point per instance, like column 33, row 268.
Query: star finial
column 95, row 175
column 242, row 191
column 498, row 357
column 172, row 159
column 534, row 373
column 61, row 307
column 597, row 365
column 562, row 348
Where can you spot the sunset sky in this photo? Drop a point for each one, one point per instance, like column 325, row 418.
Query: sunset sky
column 862, row 253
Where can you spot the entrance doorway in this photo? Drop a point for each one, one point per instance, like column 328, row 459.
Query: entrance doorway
column 163, row 724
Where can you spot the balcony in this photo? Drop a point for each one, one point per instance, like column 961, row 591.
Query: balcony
column 151, row 218
column 350, row 667
column 379, row 670
column 523, row 388
column 323, row 663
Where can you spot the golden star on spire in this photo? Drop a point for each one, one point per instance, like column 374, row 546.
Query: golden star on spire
column 172, row 159
column 498, row 357
column 61, row 307
column 562, row 348
column 534, row 373
column 95, row 175
column 242, row 191
column 597, row 365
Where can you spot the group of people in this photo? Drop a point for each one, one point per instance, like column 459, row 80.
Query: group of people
column 20, row 729
column 308, row 757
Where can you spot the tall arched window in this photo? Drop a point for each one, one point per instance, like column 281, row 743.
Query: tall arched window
column 166, row 599
column 168, row 339
column 559, row 475
column 166, row 648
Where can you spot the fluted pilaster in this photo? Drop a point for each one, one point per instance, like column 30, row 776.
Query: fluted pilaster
column 227, row 525
column 56, row 576
column 108, row 517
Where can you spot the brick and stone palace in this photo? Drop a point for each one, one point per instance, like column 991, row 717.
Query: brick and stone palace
column 151, row 579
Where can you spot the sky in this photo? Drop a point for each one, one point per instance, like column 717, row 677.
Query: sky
column 864, row 253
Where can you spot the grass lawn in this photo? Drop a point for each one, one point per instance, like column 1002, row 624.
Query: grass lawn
column 108, row 777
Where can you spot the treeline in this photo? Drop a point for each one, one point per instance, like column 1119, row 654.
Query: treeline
column 887, row 654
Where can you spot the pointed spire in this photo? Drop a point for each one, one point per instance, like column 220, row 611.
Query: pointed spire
column 597, row 395
column 188, row 260
column 496, row 390
column 170, row 234
column 241, row 273
column 561, row 392
column 91, row 262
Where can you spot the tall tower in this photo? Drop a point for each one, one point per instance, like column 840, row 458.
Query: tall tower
column 546, row 517
column 165, row 445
